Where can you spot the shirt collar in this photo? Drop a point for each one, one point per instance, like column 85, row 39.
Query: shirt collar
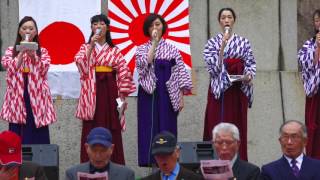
column 299, row 160
column 233, row 160
column 100, row 47
column 93, row 169
column 174, row 173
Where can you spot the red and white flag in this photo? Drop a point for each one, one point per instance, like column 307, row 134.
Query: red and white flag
column 63, row 26
column 126, row 26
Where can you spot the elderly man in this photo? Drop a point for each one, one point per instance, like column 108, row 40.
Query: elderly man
column 99, row 148
column 293, row 165
column 11, row 165
column 226, row 141
column 166, row 153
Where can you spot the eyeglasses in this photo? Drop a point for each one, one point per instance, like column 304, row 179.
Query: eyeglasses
column 227, row 143
column 293, row 137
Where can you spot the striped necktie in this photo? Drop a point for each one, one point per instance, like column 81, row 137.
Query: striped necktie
column 294, row 167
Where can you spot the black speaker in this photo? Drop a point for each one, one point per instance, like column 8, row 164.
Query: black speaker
column 46, row 155
column 192, row 152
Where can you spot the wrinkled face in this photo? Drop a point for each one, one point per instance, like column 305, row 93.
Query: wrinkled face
column 167, row 162
column 28, row 28
column 316, row 21
column 100, row 25
column 156, row 25
column 291, row 140
column 99, row 155
column 225, row 145
column 226, row 19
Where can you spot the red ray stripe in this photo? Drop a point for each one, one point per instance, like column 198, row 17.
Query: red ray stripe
column 116, row 29
column 158, row 6
column 122, row 7
column 185, row 40
column 183, row 14
column 132, row 64
column 186, row 58
column 147, row 3
column 172, row 6
column 117, row 18
column 179, row 28
column 135, row 4
column 121, row 40
column 127, row 49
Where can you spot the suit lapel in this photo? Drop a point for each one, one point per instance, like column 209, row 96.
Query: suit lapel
column 304, row 168
column 112, row 171
column 285, row 169
column 235, row 168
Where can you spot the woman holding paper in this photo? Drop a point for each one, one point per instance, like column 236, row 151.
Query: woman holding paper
column 104, row 77
column 28, row 106
column 163, row 79
column 228, row 54
column 308, row 60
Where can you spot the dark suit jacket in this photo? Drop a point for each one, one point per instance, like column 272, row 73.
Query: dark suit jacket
column 184, row 174
column 243, row 170
column 116, row 171
column 30, row 169
column 281, row 170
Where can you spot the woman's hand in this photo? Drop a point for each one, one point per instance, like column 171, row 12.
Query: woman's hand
column 247, row 79
column 154, row 44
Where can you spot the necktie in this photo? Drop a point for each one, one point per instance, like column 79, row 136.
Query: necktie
column 294, row 167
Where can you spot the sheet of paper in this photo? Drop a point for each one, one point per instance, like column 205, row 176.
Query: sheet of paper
column 216, row 169
column 96, row 176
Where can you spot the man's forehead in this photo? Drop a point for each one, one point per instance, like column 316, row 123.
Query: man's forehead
column 225, row 135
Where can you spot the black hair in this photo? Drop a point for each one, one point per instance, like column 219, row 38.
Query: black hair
column 19, row 38
column 102, row 18
column 227, row 9
column 148, row 21
column 316, row 13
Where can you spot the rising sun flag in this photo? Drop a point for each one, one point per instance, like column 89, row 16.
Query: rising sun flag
column 126, row 25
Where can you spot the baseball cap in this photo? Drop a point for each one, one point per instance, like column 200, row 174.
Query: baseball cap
column 10, row 148
column 164, row 143
column 100, row 135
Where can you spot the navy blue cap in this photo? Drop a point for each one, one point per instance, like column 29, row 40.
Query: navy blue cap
column 100, row 135
column 163, row 143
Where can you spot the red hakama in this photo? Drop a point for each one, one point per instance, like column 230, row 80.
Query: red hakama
column 231, row 107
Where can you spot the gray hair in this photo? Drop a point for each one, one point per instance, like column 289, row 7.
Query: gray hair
column 226, row 127
column 302, row 127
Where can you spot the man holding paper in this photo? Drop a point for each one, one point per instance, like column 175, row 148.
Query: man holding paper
column 99, row 148
column 226, row 141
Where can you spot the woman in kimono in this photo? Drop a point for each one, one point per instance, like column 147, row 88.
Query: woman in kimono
column 308, row 60
column 163, row 80
column 28, row 106
column 229, row 54
column 104, row 77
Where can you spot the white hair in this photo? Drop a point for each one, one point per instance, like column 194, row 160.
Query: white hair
column 226, row 127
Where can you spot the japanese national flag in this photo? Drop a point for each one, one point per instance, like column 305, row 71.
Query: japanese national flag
column 63, row 26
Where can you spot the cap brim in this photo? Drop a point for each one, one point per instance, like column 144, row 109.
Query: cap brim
column 103, row 143
column 11, row 159
column 162, row 150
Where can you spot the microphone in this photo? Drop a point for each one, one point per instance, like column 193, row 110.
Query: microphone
column 98, row 31
column 227, row 30
column 26, row 37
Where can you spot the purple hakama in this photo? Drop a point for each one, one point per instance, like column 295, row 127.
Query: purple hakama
column 155, row 112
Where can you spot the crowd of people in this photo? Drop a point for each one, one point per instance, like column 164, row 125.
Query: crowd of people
column 163, row 81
